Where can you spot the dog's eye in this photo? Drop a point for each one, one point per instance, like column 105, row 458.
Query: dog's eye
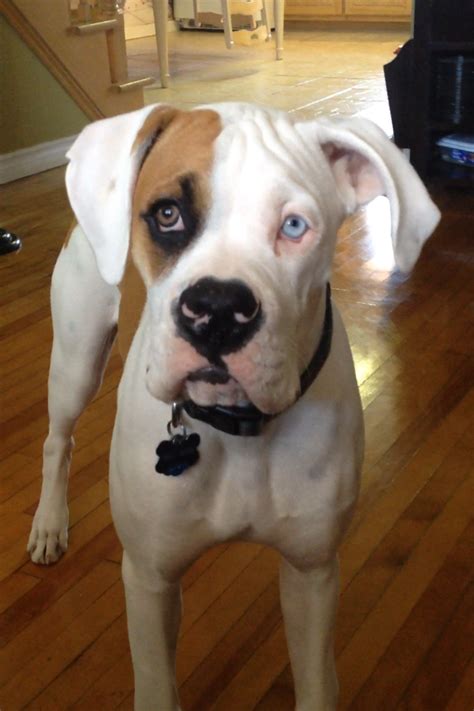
column 294, row 227
column 173, row 221
column 168, row 218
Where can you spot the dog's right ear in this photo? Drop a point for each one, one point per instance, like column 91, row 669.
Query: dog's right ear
column 364, row 163
column 104, row 162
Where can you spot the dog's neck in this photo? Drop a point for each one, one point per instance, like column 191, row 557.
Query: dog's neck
column 311, row 325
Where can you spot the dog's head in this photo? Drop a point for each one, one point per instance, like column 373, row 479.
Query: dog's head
column 230, row 214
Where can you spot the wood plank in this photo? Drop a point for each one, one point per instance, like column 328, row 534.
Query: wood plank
column 393, row 552
column 406, row 439
column 27, row 683
column 111, row 689
column 14, row 587
column 443, row 668
column 12, row 465
column 463, row 697
column 253, row 680
column 15, row 404
column 417, row 643
column 76, row 681
column 206, row 632
column 237, row 647
column 202, row 564
column 13, row 526
column 367, row 531
column 59, row 579
column 27, row 367
column 212, row 583
column 281, row 696
column 359, row 658
column 45, row 628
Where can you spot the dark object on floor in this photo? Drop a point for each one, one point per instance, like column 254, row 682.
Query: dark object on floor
column 9, row 242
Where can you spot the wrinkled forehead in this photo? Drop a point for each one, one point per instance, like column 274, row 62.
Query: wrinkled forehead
column 264, row 152
column 264, row 136
column 233, row 144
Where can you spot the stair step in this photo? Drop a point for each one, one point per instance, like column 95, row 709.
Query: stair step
column 133, row 84
column 89, row 28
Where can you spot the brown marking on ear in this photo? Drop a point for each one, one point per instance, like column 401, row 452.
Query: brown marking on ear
column 184, row 148
column 155, row 123
column 132, row 303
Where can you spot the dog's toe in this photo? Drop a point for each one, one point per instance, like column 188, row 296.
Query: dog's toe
column 48, row 540
column 54, row 549
column 46, row 548
column 37, row 550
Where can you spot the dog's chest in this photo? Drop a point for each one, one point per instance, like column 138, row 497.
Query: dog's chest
column 246, row 488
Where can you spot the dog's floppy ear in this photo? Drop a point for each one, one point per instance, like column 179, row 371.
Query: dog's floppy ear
column 365, row 164
column 100, row 179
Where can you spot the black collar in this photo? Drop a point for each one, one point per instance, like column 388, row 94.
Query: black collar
column 249, row 421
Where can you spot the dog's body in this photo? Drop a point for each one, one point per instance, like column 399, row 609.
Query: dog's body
column 256, row 202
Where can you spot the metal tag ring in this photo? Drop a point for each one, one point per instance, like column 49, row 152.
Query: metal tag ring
column 170, row 427
column 176, row 414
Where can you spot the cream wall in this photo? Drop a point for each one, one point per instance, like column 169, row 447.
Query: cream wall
column 34, row 108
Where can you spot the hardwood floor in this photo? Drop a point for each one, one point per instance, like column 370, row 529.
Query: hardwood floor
column 406, row 619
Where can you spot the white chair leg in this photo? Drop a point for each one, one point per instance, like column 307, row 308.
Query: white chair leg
column 279, row 9
column 196, row 14
column 160, row 14
column 227, row 18
column 265, row 19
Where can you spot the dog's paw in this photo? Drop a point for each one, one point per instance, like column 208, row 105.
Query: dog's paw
column 49, row 536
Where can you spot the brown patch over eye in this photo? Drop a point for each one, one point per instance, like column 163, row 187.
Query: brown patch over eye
column 172, row 193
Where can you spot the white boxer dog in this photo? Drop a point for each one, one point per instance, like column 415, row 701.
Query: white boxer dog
column 208, row 237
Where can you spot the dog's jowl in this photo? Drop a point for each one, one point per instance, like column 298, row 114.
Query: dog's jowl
column 206, row 238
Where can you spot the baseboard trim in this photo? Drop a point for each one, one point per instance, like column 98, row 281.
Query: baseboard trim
column 29, row 161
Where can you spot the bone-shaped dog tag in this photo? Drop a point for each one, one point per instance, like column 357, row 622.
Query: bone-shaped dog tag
column 180, row 452
column 177, row 454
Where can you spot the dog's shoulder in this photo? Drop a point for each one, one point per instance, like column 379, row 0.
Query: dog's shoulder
column 132, row 303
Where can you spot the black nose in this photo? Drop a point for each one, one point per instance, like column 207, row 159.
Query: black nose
column 218, row 317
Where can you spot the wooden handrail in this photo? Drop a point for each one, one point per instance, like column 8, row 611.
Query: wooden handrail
column 88, row 28
column 46, row 55
column 133, row 84
column 87, row 65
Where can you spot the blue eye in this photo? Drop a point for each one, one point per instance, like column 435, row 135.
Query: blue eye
column 294, row 227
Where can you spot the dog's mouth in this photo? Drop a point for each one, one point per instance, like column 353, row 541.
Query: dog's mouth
column 213, row 385
column 212, row 375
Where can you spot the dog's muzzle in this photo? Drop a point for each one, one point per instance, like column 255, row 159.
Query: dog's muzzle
column 217, row 317
column 249, row 421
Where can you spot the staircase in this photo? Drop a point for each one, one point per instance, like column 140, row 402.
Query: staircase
column 85, row 51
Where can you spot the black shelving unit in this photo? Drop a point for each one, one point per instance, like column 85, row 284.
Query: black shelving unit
column 421, row 92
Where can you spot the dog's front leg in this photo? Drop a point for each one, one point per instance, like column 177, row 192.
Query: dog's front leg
column 84, row 310
column 309, row 600
column 153, row 617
